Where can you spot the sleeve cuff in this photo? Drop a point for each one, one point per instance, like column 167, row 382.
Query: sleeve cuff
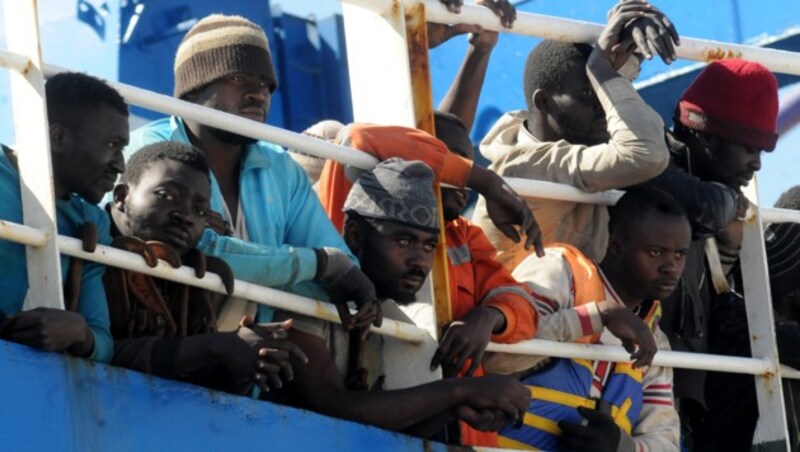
column 590, row 320
column 455, row 170
column 307, row 259
column 517, row 329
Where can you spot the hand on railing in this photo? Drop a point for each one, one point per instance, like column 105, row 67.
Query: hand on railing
column 479, row 38
column 638, row 24
column 507, row 209
column 466, row 339
column 636, row 337
column 345, row 282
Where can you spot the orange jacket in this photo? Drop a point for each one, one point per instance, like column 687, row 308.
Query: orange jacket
column 385, row 142
column 477, row 279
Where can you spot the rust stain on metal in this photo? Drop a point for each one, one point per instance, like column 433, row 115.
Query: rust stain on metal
column 27, row 68
column 417, row 41
column 396, row 8
column 720, row 54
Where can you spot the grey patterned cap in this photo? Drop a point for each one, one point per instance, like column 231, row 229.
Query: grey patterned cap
column 396, row 190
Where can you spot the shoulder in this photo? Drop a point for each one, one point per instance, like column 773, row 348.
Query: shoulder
column 535, row 268
column 153, row 132
column 79, row 211
column 159, row 128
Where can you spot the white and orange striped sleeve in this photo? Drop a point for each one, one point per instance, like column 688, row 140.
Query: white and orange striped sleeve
column 659, row 427
column 553, row 286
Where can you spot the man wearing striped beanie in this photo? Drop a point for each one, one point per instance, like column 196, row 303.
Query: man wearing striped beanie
column 266, row 222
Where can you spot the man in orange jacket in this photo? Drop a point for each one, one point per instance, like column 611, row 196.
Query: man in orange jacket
column 487, row 302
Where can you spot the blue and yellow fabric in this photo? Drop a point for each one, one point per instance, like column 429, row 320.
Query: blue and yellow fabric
column 558, row 390
column 566, row 384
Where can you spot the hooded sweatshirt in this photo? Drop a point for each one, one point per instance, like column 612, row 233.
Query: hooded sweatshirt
column 636, row 152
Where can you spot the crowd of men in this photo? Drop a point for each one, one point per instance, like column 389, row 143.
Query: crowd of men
column 657, row 271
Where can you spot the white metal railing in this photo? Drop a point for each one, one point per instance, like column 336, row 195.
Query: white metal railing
column 169, row 105
column 764, row 366
column 560, row 29
column 290, row 302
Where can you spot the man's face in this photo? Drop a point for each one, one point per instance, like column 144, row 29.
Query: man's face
column 726, row 162
column 88, row 158
column 654, row 254
column 168, row 204
column 245, row 95
column 396, row 258
column 454, row 200
column 575, row 112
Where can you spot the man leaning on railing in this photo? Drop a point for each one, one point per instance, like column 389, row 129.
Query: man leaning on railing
column 585, row 126
column 281, row 236
column 88, row 130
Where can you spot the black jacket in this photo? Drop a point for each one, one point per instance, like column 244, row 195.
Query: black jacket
column 711, row 207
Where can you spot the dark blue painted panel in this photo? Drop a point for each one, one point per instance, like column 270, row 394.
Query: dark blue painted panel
column 50, row 402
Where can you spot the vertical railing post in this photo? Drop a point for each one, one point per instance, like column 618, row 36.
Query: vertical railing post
column 771, row 433
column 33, row 151
column 422, row 92
column 383, row 93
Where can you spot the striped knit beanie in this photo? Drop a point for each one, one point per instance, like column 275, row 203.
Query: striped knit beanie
column 218, row 46
column 736, row 100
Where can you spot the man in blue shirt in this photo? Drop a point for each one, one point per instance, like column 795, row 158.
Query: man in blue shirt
column 265, row 198
column 88, row 130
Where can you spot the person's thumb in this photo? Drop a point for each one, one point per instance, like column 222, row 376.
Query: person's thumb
column 246, row 321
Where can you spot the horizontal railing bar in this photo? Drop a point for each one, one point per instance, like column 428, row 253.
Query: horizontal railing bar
column 343, row 154
column 683, row 360
column 773, row 215
column 560, row 29
column 19, row 233
column 264, row 295
column 403, row 331
column 14, row 61
column 790, row 372
column 551, row 190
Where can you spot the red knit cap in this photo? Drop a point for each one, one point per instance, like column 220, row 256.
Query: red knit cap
column 734, row 99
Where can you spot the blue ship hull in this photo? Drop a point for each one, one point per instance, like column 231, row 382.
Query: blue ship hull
column 50, row 402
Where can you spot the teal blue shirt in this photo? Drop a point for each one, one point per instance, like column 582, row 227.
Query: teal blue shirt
column 283, row 215
column 71, row 213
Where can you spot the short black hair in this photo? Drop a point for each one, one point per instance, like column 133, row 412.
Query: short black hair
column 637, row 204
column 548, row 63
column 71, row 95
column 163, row 150
column 790, row 199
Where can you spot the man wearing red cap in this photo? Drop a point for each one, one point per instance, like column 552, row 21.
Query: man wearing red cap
column 723, row 122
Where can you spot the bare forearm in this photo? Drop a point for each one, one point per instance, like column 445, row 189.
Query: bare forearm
column 462, row 97
column 397, row 410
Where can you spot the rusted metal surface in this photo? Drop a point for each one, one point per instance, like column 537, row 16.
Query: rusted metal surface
column 720, row 54
column 422, row 93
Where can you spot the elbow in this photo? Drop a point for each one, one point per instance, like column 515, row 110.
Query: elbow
column 654, row 157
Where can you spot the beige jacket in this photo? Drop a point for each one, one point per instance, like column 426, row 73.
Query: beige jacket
column 635, row 153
